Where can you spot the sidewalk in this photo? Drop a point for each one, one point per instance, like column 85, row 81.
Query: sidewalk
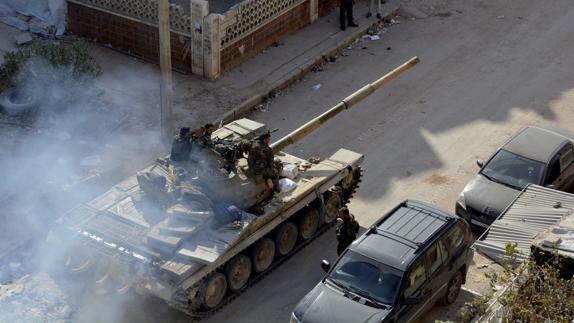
column 131, row 86
column 246, row 86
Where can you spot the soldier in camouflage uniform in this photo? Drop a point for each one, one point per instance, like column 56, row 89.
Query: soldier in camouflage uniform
column 347, row 230
column 261, row 162
column 202, row 136
column 181, row 146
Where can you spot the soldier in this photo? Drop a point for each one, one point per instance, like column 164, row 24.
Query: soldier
column 260, row 160
column 202, row 136
column 181, row 145
column 347, row 230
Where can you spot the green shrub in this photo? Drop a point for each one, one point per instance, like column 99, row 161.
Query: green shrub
column 537, row 294
column 74, row 55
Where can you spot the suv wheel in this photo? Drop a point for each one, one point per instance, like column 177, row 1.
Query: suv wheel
column 452, row 289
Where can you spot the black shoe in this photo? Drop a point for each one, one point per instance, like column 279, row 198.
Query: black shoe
column 368, row 15
column 353, row 25
column 379, row 16
column 343, row 28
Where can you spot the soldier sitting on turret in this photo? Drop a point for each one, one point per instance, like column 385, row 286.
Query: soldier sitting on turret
column 181, row 146
column 202, row 136
column 261, row 162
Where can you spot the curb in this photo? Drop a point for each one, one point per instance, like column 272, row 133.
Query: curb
column 247, row 105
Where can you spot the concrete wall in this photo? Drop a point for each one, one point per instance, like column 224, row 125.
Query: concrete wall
column 264, row 36
column 136, row 37
column 203, row 44
column 327, row 5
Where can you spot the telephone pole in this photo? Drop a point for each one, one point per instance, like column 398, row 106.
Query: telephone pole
column 166, row 89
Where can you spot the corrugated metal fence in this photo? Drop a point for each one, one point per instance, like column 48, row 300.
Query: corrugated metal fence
column 534, row 210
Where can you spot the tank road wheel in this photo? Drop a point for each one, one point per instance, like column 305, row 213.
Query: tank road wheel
column 238, row 271
column 263, row 254
column 286, row 238
column 350, row 183
column 332, row 202
column 123, row 280
column 213, row 290
column 308, row 223
column 102, row 275
column 79, row 260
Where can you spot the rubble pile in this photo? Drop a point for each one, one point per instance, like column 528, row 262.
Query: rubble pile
column 41, row 17
column 33, row 298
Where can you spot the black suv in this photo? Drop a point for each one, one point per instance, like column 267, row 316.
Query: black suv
column 411, row 258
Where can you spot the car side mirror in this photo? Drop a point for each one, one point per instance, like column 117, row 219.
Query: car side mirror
column 479, row 163
column 412, row 300
column 325, row 265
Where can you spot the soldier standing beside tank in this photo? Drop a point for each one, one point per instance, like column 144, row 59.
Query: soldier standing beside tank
column 181, row 146
column 346, row 231
column 260, row 160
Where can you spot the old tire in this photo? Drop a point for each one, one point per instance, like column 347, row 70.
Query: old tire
column 262, row 254
column 285, row 238
column 238, row 271
column 332, row 203
column 12, row 106
column 452, row 289
column 308, row 223
column 213, row 290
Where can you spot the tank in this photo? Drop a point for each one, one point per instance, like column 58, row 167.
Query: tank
column 198, row 233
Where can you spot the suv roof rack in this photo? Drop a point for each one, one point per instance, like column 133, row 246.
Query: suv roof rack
column 404, row 226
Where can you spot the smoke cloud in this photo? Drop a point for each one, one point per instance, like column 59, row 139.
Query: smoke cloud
column 61, row 145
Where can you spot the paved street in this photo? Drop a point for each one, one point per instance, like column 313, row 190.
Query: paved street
column 488, row 68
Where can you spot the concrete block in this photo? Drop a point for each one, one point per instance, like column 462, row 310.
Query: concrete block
column 23, row 38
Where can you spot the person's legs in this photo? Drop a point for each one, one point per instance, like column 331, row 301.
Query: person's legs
column 369, row 14
column 350, row 20
column 342, row 9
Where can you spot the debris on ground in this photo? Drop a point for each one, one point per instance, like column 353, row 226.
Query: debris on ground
column 316, row 87
column 33, row 298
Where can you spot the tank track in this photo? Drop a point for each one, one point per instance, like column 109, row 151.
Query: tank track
column 349, row 192
column 180, row 299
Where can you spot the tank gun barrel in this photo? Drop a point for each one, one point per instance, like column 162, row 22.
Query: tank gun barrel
column 348, row 102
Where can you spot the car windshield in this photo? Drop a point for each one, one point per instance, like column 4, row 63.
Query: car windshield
column 367, row 278
column 513, row 170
